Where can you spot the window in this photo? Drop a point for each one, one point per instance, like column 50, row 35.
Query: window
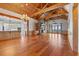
column 55, row 27
column 8, row 24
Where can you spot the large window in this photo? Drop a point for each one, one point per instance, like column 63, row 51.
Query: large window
column 9, row 24
column 55, row 27
column 1, row 26
column 50, row 26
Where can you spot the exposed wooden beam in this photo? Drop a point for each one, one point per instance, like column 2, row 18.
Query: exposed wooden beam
column 48, row 9
column 75, row 29
column 55, row 15
column 49, row 14
column 75, row 5
column 33, row 7
column 45, row 5
column 41, row 5
column 9, row 16
column 60, row 16
column 57, row 12
column 65, row 10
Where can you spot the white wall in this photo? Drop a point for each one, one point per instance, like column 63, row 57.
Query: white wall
column 31, row 24
column 8, row 12
column 10, row 24
column 69, row 8
column 64, row 24
column 58, row 21
column 70, row 24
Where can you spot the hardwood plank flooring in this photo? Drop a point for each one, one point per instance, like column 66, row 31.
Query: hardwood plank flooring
column 38, row 45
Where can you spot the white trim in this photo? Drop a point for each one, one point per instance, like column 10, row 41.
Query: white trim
column 5, row 18
column 4, row 11
column 70, row 25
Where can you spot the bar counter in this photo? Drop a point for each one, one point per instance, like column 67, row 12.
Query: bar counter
column 5, row 35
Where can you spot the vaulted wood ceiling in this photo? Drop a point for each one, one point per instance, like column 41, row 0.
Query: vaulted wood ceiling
column 37, row 10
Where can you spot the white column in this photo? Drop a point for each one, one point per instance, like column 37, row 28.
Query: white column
column 70, row 24
column 23, row 30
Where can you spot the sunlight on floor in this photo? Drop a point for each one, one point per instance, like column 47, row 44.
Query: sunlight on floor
column 55, row 40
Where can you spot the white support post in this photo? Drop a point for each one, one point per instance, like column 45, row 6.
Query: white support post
column 23, row 30
column 70, row 24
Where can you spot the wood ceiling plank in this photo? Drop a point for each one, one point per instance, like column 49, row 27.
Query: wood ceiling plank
column 55, row 15
column 75, row 29
column 32, row 9
column 48, row 9
column 45, row 5
column 11, row 7
column 59, row 12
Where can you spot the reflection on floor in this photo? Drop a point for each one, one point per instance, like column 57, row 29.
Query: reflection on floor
column 40, row 45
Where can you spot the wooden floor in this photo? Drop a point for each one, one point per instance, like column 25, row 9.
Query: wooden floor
column 40, row 45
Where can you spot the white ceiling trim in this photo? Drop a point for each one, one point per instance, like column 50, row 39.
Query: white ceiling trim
column 11, row 13
column 67, row 7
